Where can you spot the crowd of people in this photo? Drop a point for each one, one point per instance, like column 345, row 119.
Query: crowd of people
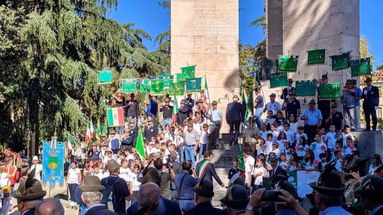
column 176, row 174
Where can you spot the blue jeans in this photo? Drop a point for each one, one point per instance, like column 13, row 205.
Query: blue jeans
column 190, row 154
column 181, row 156
column 165, row 122
column 202, row 150
column 258, row 115
column 186, row 205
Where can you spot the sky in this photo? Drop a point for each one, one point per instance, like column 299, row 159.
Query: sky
column 154, row 19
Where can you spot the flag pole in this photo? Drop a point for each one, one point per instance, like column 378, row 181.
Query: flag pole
column 208, row 95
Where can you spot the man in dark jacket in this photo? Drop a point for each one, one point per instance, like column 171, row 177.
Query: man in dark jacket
column 234, row 116
column 132, row 107
column 202, row 198
column 183, row 112
column 131, row 135
column 206, row 170
column 91, row 196
column 115, row 187
column 151, row 129
column 151, row 202
column 370, row 104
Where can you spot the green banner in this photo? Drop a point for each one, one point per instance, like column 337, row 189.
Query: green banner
column 305, row 88
column 105, row 77
column 292, row 178
column 157, row 87
column 340, row 61
column 180, row 77
column 168, row 80
column 330, row 90
column 177, row 89
column 193, row 85
column 188, row 72
column 287, row 63
column 129, row 85
column 145, row 85
column 361, row 67
column 278, row 80
column 316, row 57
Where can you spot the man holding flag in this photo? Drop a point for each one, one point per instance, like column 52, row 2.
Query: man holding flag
column 206, row 170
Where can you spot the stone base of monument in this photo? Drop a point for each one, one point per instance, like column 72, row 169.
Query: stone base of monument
column 369, row 143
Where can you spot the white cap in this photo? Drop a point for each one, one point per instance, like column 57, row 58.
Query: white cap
column 35, row 158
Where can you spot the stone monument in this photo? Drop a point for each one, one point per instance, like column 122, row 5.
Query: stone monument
column 206, row 33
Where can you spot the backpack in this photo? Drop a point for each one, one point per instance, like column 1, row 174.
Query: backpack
column 107, row 194
column 115, row 143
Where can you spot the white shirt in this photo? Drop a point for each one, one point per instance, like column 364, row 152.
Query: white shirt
column 318, row 148
column 4, row 181
column 259, row 179
column 125, row 173
column 204, row 138
column 289, row 135
column 249, row 161
column 39, row 169
column 331, row 140
column 73, row 176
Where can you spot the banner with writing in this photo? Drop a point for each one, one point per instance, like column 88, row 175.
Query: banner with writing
column 361, row 67
column 177, row 89
column 105, row 77
column 145, row 85
column 193, row 85
column 157, row 87
column 292, row 178
column 53, row 162
column 330, row 90
column 278, row 80
column 168, row 80
column 304, row 178
column 316, row 56
column 180, row 77
column 287, row 63
column 340, row 61
column 305, row 88
column 129, row 85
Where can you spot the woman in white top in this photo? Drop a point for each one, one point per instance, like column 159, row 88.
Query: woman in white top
column 37, row 166
column 74, row 179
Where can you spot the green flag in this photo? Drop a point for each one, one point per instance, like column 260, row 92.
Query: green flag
column 193, row 85
column 168, row 80
column 316, row 57
column 247, row 99
column 360, row 67
column 175, row 106
column 188, row 72
column 129, row 85
column 278, row 80
column 305, row 88
column 206, row 87
column 177, row 89
column 241, row 161
column 287, row 63
column 340, row 61
column 105, row 77
column 330, row 90
column 180, row 77
column 71, row 140
column 157, row 87
column 144, row 85
column 140, row 147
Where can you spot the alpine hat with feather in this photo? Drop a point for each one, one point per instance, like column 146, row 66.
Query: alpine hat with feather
column 329, row 182
column 29, row 189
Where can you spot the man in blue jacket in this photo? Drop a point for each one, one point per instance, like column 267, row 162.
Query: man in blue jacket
column 234, row 116
column 370, row 104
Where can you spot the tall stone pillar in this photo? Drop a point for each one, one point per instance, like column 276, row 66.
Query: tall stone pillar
column 274, row 32
column 206, row 33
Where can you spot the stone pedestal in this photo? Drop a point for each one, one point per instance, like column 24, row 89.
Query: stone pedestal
column 206, row 33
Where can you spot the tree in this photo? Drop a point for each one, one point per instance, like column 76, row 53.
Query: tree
column 64, row 43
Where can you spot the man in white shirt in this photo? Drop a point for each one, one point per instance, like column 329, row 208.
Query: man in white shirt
column 249, row 166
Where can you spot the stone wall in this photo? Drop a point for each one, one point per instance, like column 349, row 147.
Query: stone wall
column 206, row 33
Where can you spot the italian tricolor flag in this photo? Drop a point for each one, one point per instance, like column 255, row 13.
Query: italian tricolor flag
column 115, row 117
column 89, row 132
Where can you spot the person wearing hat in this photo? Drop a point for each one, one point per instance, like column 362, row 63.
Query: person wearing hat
column 336, row 118
column 94, row 153
column 328, row 191
column 288, row 90
column 92, row 196
column 370, row 104
column 203, row 194
column 234, row 117
column 37, row 166
column 151, row 129
column 292, row 106
column 370, row 194
column 29, row 194
column 215, row 125
column 236, row 200
column 312, row 119
column 131, row 135
column 189, row 100
column 150, row 201
column 273, row 105
column 116, row 188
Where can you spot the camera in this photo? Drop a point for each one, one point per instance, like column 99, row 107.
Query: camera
column 271, row 195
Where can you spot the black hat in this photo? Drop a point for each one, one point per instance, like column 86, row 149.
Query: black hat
column 329, row 182
column 214, row 103
column 204, row 188
column 312, row 102
column 150, row 175
column 236, row 197
column 370, row 185
column 368, row 79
